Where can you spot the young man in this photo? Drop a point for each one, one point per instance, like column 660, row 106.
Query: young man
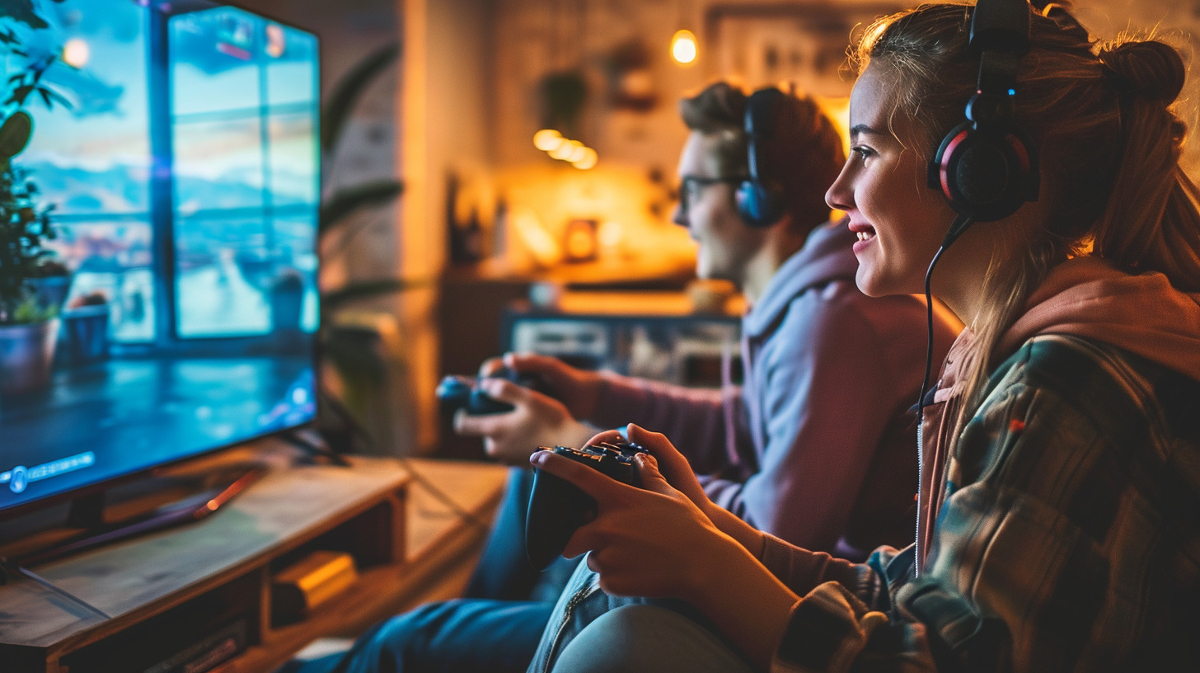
column 773, row 451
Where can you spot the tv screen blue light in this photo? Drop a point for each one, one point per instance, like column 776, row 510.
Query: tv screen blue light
column 179, row 151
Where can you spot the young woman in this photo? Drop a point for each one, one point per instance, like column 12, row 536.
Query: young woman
column 1059, row 524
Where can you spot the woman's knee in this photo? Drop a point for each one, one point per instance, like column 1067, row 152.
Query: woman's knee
column 648, row 638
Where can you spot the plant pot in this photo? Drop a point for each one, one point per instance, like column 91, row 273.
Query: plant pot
column 85, row 334
column 26, row 356
column 50, row 290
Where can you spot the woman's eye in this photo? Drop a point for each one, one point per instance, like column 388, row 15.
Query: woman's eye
column 863, row 152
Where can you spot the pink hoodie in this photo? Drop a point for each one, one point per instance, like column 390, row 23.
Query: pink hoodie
column 1083, row 297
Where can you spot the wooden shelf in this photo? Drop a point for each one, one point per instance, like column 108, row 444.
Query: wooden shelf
column 166, row 592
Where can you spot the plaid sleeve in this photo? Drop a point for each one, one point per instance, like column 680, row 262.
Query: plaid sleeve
column 839, row 624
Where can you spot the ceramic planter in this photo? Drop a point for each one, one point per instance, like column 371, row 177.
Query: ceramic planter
column 26, row 356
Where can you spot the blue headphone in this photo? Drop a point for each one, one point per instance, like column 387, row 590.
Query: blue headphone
column 986, row 167
column 760, row 200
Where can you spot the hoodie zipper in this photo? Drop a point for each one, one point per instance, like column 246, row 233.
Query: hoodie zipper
column 920, row 483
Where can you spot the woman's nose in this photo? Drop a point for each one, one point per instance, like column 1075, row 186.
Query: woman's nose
column 840, row 195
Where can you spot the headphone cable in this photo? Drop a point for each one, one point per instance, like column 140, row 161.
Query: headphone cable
column 961, row 223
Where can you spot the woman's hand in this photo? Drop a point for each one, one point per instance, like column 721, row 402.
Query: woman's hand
column 654, row 541
column 674, row 466
column 644, row 541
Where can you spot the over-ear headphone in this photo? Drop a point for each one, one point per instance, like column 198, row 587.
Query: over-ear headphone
column 760, row 199
column 986, row 167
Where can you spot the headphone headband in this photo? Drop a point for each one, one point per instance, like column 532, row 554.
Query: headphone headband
column 986, row 167
column 1000, row 25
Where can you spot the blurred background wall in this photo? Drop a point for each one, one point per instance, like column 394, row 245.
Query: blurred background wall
column 485, row 212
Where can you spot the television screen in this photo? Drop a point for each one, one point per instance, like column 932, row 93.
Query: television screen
column 173, row 310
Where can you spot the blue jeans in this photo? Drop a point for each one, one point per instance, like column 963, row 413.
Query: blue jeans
column 460, row 636
column 503, row 571
column 590, row 631
column 489, row 631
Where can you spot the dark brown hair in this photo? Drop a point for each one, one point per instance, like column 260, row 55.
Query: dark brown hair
column 804, row 154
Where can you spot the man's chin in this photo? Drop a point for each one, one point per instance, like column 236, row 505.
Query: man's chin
column 707, row 270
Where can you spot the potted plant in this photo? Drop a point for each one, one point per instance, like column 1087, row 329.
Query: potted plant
column 85, row 328
column 50, row 282
column 28, row 324
column 29, row 308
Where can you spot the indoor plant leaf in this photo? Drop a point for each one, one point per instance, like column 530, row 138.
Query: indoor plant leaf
column 342, row 203
column 333, row 299
column 15, row 134
column 336, row 110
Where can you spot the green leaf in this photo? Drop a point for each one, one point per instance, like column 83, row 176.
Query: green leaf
column 20, row 93
column 15, row 134
column 346, row 93
column 334, row 299
column 49, row 95
column 342, row 203
column 23, row 11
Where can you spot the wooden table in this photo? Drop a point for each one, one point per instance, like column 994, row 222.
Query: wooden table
column 207, row 585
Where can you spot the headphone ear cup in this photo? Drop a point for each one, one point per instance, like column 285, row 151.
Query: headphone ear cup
column 985, row 175
column 758, row 204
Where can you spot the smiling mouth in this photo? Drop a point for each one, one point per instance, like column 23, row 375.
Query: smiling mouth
column 864, row 233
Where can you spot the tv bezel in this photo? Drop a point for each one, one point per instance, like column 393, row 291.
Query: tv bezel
column 101, row 485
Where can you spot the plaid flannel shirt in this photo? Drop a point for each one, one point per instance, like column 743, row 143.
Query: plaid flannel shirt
column 1068, row 539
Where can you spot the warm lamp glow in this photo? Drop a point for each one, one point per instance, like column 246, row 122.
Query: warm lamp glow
column 610, row 234
column 547, row 140
column 587, row 160
column 565, row 149
column 578, row 154
column 683, row 47
column 76, row 53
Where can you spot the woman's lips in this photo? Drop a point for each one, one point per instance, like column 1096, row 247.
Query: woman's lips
column 865, row 233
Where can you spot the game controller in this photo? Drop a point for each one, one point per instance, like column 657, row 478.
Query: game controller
column 463, row 392
column 557, row 507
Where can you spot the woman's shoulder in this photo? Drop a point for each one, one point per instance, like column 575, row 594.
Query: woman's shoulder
column 1110, row 389
column 1079, row 364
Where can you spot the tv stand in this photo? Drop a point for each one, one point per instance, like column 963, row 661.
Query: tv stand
column 204, row 590
column 87, row 513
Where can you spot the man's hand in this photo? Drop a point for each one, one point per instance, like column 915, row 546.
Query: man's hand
column 536, row 420
column 577, row 389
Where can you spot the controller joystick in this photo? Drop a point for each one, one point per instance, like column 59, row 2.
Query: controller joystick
column 463, row 392
column 557, row 507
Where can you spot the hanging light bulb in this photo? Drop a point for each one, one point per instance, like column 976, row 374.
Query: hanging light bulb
column 588, row 160
column 76, row 53
column 565, row 149
column 577, row 154
column 547, row 140
column 683, row 47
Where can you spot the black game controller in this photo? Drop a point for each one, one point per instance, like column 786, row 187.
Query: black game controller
column 463, row 392
column 557, row 507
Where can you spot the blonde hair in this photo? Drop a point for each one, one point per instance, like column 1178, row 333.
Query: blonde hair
column 1102, row 120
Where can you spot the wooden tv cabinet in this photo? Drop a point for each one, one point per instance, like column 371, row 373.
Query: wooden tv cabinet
column 204, row 589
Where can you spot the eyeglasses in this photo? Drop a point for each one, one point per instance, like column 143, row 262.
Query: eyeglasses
column 690, row 187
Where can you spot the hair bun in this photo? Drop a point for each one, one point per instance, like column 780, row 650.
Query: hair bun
column 1147, row 68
